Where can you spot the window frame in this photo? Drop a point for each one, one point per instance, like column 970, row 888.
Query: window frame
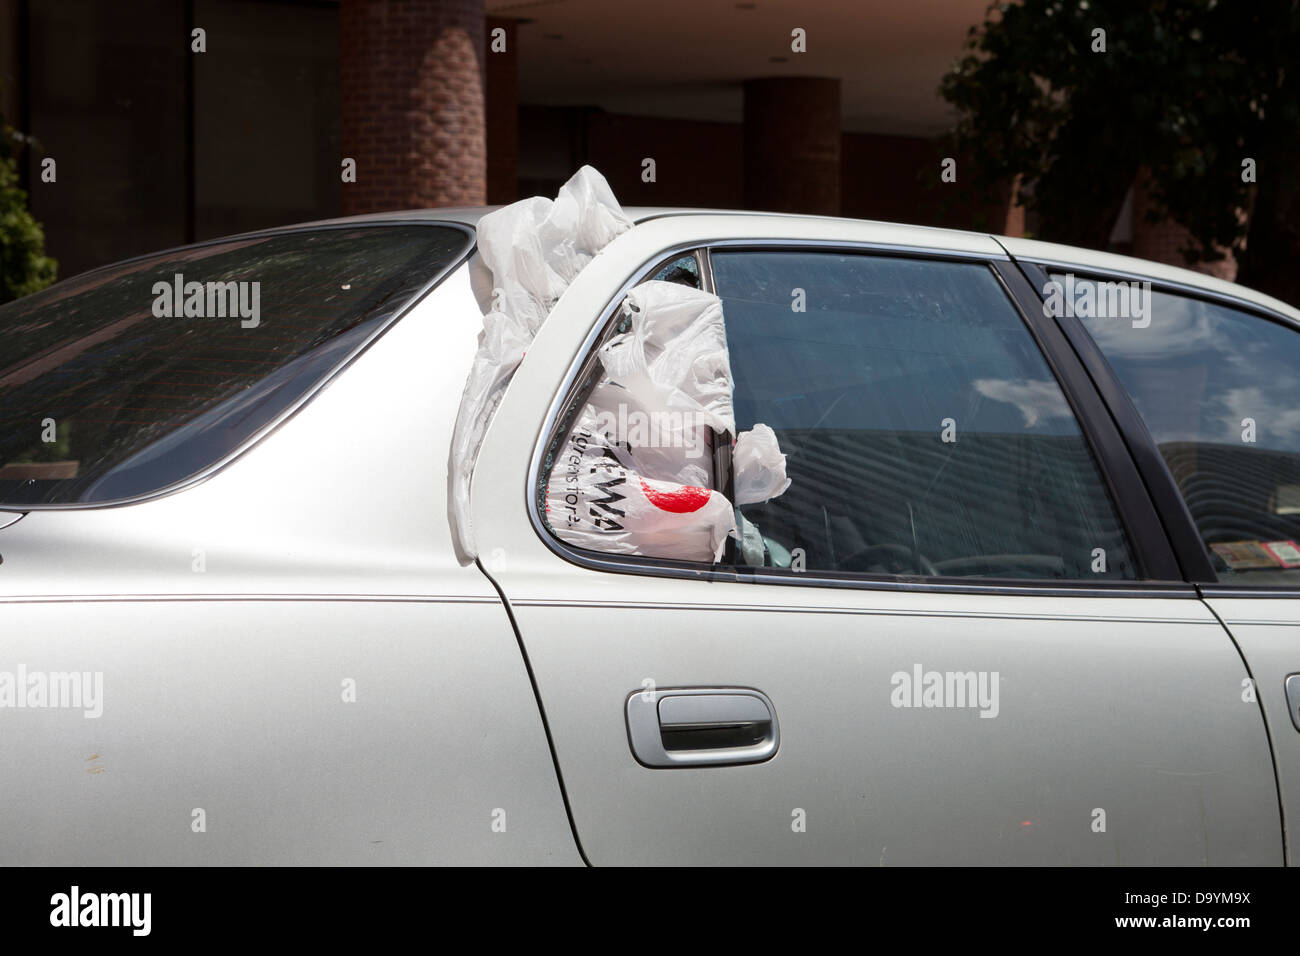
column 1184, row 535
column 1151, row 550
column 255, row 439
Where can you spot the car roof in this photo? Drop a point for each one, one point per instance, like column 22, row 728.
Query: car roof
column 1051, row 253
column 936, row 237
column 470, row 215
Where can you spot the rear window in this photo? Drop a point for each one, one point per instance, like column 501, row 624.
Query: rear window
column 129, row 379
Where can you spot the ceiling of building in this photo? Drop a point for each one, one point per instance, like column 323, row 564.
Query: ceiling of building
column 688, row 58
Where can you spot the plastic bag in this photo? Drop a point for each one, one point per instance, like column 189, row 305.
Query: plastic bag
column 636, row 474
column 664, row 444
column 758, row 466
column 673, row 354
column 536, row 247
column 596, row 502
column 533, row 248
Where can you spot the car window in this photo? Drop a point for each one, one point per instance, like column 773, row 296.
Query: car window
column 924, row 431
column 1219, row 391
column 684, row 270
column 128, row 379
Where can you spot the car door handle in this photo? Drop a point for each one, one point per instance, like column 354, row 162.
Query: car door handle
column 701, row 726
column 1293, row 698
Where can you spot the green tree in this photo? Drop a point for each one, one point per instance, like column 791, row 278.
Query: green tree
column 1188, row 89
column 24, row 266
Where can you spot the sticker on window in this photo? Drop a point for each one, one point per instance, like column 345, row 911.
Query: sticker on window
column 1245, row 555
column 1286, row 552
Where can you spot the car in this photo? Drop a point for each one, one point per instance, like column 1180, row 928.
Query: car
column 1030, row 596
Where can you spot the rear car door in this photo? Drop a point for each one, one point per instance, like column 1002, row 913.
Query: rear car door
column 1208, row 383
column 972, row 638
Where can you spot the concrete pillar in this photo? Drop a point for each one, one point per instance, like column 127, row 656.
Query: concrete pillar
column 412, row 103
column 502, row 113
column 792, row 144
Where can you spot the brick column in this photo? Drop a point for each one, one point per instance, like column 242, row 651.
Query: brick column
column 412, row 93
column 502, row 115
column 792, row 145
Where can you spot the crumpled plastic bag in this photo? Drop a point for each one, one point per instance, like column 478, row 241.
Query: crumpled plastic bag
column 533, row 248
column 636, row 472
column 596, row 502
column 664, row 444
column 647, row 434
column 674, row 352
column 758, row 466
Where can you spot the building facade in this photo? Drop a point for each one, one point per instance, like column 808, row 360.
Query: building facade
column 172, row 121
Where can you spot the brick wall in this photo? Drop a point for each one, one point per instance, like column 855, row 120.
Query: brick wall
column 412, row 103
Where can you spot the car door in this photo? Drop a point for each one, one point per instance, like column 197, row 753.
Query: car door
column 1207, row 382
column 965, row 643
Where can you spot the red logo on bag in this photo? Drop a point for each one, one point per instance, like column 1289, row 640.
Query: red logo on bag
column 681, row 501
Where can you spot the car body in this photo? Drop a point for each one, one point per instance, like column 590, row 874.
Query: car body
column 299, row 667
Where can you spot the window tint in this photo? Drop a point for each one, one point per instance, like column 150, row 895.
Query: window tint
column 1219, row 390
column 924, row 432
column 131, row 378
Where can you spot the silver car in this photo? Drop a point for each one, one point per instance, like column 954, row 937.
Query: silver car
column 1030, row 597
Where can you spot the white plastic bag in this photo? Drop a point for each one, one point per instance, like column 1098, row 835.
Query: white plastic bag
column 665, row 444
column 596, row 502
column 674, row 352
column 758, row 466
column 667, row 384
column 648, row 428
column 533, row 248
column 636, row 473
